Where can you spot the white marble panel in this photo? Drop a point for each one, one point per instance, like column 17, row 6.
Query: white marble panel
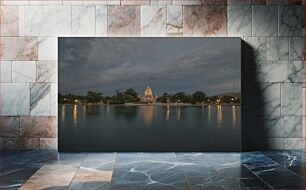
column 15, row 99
column 6, row 71
column 46, row 2
column 83, row 20
column 239, row 21
column 292, row 99
column 293, row 143
column 47, row 48
column 102, row 2
column 279, row 71
column 23, row 71
column 73, row 2
column 174, row 20
column 40, row 99
column 290, row 20
column 296, row 48
column 278, row 48
column 15, row 2
column 294, row 127
column 265, row 19
column 161, row 2
column 46, row 71
column 47, row 20
column 153, row 20
column 101, row 20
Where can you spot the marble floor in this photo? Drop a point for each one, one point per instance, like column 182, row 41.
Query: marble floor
column 161, row 171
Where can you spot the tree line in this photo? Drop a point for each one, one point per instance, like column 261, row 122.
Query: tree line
column 131, row 96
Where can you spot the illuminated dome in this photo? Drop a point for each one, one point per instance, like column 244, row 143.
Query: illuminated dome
column 148, row 92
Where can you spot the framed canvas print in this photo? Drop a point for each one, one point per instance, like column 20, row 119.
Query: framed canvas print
column 149, row 94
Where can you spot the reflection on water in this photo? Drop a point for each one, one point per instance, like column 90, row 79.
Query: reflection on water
column 137, row 128
column 209, row 114
column 219, row 115
column 75, row 115
column 168, row 112
column 151, row 114
column 148, row 112
column 234, row 116
column 178, row 113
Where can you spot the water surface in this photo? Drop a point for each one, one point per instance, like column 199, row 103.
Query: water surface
column 149, row 128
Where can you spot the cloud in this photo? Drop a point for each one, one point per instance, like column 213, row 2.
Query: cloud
column 166, row 64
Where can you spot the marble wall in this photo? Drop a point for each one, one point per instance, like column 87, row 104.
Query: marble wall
column 273, row 67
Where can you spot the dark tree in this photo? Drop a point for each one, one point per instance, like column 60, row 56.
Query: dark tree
column 199, row 96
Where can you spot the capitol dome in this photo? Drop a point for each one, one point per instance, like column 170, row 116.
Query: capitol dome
column 148, row 92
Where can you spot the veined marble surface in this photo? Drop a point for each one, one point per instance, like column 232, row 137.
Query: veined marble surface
column 153, row 20
column 47, row 20
column 249, row 170
column 175, row 20
column 265, row 21
column 83, row 20
column 239, row 20
column 40, row 99
column 9, row 21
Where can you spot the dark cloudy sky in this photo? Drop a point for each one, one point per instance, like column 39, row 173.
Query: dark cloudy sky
column 165, row 64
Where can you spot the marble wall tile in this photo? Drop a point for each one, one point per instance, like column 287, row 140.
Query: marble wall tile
column 18, row 48
column 15, row 99
column 153, row 20
column 5, row 71
column 47, row 48
column 275, row 143
column 174, row 20
column 40, row 99
column 9, row 126
column 293, row 143
column 293, row 127
column 47, row 20
column 46, row 71
column 161, row 2
column 257, row 48
column 259, row 127
column 264, row 22
column 46, row 2
column 23, row 71
column 123, row 21
column 10, row 143
column 214, row 2
column 278, row 48
column 279, row 71
column 292, row 98
column 205, row 21
column 135, row 2
column 101, row 20
column 290, row 20
column 9, row 20
column 239, row 2
column 15, row 2
column 263, row 99
column 239, row 21
column 48, row 143
column 38, row 126
column 296, row 48
column 73, row 2
column 102, row 2
column 188, row 2
column 83, row 20
column 54, row 99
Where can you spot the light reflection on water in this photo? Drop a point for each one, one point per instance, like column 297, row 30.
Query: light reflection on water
column 149, row 113
column 166, row 128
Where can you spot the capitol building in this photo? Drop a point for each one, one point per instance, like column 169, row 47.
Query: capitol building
column 148, row 96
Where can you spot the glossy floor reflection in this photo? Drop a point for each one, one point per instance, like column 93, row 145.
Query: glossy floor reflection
column 162, row 171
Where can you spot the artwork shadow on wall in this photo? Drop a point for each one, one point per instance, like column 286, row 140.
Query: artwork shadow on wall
column 149, row 94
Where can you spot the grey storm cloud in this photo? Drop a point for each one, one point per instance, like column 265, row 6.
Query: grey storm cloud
column 171, row 65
